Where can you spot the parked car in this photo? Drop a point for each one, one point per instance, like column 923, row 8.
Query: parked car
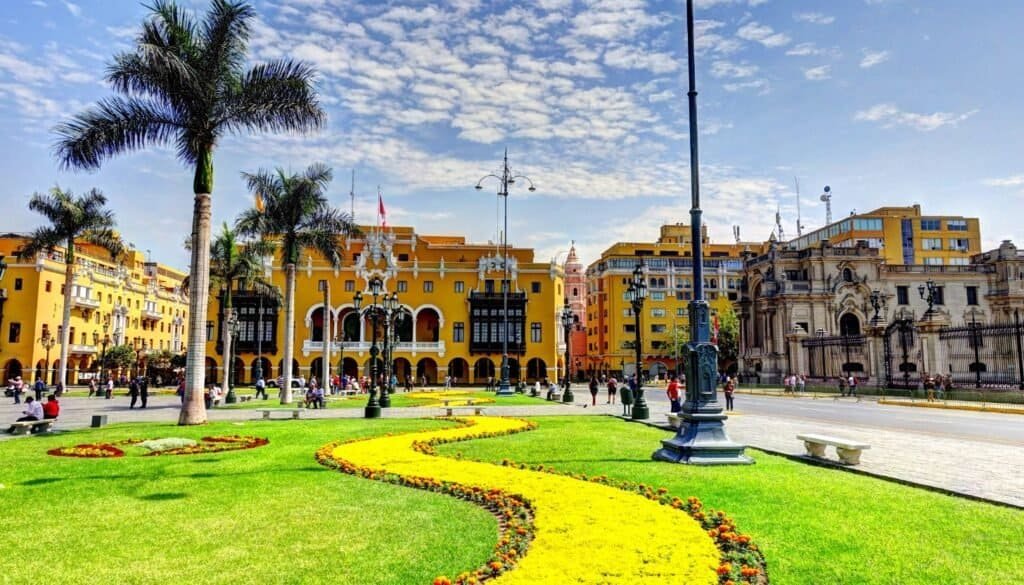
column 299, row 382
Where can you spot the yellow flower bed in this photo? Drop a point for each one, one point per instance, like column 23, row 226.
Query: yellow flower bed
column 454, row 397
column 584, row 532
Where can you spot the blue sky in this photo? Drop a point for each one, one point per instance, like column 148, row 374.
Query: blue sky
column 887, row 101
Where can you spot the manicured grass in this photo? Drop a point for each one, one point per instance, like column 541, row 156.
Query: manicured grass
column 398, row 400
column 815, row 525
column 266, row 515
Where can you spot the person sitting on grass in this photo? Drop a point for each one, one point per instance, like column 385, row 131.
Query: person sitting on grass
column 51, row 410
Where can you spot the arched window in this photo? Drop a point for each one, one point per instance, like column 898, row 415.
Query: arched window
column 575, row 292
column 847, row 275
column 849, row 324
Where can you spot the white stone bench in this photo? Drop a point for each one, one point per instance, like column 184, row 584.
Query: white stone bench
column 468, row 402
column 294, row 412
column 450, row 410
column 348, row 392
column 33, row 426
column 674, row 420
column 847, row 449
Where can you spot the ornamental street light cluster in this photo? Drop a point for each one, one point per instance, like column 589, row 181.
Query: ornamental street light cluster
column 384, row 310
column 637, row 294
column 48, row 341
column 506, row 178
column 929, row 293
column 567, row 322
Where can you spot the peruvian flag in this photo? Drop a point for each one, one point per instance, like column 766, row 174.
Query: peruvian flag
column 382, row 214
column 714, row 330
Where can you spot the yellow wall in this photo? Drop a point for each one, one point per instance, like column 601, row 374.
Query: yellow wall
column 415, row 260
column 110, row 290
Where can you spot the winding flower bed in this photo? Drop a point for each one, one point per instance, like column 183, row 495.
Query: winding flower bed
column 627, row 539
column 452, row 397
column 205, row 445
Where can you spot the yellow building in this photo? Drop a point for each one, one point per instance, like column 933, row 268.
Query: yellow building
column 132, row 302
column 450, row 290
column 668, row 267
column 903, row 236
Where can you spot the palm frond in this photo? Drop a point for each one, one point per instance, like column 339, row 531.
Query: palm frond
column 42, row 238
column 114, row 126
column 225, row 38
column 278, row 96
column 107, row 239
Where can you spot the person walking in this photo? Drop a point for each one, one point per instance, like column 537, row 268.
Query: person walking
column 110, row 389
column 593, row 391
column 801, row 383
column 612, row 390
column 144, row 391
column 39, row 387
column 852, row 385
column 133, row 391
column 729, row 389
column 92, row 387
column 261, row 388
column 842, row 385
column 673, row 394
column 18, row 387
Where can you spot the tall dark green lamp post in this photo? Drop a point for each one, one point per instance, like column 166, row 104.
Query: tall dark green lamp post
column 567, row 321
column 637, row 294
column 701, row 439
column 372, row 409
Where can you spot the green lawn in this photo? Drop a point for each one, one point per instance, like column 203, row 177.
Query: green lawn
column 398, row 400
column 815, row 525
column 273, row 515
column 266, row 515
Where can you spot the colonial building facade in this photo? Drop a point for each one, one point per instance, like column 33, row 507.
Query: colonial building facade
column 668, row 268
column 576, row 297
column 827, row 311
column 129, row 301
column 451, row 291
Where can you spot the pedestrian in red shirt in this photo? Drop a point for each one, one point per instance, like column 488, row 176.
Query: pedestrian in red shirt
column 51, row 408
column 673, row 394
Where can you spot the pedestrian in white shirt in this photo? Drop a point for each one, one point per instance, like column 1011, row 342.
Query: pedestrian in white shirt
column 33, row 410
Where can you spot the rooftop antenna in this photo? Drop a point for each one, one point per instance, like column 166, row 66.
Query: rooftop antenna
column 736, row 233
column 827, row 198
column 352, row 195
column 799, row 225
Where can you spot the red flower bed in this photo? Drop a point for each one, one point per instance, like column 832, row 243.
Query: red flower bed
column 89, row 450
column 205, row 445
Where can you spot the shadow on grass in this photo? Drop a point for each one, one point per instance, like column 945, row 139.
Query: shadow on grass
column 164, row 497
column 42, row 480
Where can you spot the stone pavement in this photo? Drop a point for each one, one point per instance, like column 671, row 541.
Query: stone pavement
column 984, row 469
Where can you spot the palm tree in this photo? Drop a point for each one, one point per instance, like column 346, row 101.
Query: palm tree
column 186, row 84
column 71, row 219
column 232, row 261
column 297, row 215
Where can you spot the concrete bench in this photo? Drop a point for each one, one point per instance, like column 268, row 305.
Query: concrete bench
column 477, row 410
column 347, row 392
column 674, row 420
column 447, row 402
column 847, row 449
column 294, row 412
column 32, row 426
column 245, row 398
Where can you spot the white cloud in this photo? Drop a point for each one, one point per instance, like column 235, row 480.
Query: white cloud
column 890, row 115
column 74, row 9
column 762, row 33
column 729, row 69
column 819, row 73
column 1011, row 181
column 814, row 18
column 633, row 57
column 872, row 58
column 760, row 85
column 812, row 50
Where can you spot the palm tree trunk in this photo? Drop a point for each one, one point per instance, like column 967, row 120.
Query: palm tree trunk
column 65, row 331
column 289, row 333
column 193, row 410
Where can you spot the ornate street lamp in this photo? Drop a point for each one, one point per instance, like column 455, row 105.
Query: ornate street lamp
column 372, row 406
column 567, row 320
column 3, row 291
column 47, row 341
column 637, row 294
column 229, row 360
column 388, row 308
column 103, row 354
column 928, row 292
column 507, row 178
column 701, row 438
column 876, row 305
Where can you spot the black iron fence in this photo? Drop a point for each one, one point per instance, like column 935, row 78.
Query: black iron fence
column 836, row 355
column 983, row 355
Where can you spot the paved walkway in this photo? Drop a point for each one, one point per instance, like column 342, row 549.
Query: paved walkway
column 985, row 469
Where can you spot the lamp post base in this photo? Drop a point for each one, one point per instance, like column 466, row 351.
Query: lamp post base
column 372, row 412
column 702, row 440
column 640, row 409
column 385, row 398
column 230, row 397
column 504, row 388
column 567, row 396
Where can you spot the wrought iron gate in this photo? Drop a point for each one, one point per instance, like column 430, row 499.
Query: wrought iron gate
column 902, row 354
column 835, row 355
column 984, row 356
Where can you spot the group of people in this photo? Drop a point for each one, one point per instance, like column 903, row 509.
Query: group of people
column 36, row 410
column 104, row 389
column 794, row 384
column 936, row 384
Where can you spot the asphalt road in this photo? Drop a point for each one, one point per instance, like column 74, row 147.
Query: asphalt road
column 1007, row 429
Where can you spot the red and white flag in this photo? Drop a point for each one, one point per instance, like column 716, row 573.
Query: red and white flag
column 382, row 214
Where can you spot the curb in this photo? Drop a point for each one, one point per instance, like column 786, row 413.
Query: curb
column 844, row 468
column 944, row 406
